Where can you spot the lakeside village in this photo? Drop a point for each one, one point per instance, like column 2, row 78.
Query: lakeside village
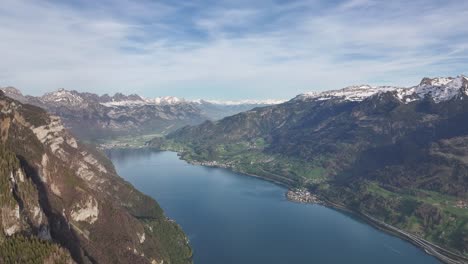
column 302, row 195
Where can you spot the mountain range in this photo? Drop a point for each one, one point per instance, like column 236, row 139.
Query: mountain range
column 121, row 115
column 398, row 154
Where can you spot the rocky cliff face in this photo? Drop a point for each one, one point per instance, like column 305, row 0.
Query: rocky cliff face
column 68, row 197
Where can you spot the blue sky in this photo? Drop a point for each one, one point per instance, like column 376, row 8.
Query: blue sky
column 228, row 49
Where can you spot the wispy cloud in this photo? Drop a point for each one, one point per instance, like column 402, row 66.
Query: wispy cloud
column 356, row 4
column 228, row 49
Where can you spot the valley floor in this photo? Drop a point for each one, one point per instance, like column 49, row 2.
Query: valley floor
column 125, row 142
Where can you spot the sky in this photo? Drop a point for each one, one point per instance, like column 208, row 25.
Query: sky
column 227, row 49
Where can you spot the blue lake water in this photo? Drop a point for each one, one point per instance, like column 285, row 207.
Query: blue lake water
column 232, row 218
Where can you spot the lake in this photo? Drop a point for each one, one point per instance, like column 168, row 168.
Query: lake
column 233, row 218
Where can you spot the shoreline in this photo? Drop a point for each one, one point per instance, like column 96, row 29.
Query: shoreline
column 263, row 178
column 444, row 255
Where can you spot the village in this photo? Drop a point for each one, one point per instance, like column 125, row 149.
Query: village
column 302, row 195
column 462, row 204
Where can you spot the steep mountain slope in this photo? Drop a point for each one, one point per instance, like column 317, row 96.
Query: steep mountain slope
column 120, row 115
column 63, row 201
column 399, row 154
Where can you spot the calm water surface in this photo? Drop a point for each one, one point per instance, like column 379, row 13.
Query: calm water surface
column 232, row 218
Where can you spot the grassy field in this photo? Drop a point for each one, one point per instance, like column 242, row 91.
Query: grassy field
column 445, row 223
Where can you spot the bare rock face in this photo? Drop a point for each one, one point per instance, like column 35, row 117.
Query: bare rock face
column 86, row 212
column 69, row 197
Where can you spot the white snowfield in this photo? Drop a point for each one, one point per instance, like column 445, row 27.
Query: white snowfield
column 440, row 89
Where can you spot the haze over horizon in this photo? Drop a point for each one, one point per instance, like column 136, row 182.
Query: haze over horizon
column 228, row 50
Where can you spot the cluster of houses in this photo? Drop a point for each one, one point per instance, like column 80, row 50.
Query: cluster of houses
column 462, row 204
column 302, row 195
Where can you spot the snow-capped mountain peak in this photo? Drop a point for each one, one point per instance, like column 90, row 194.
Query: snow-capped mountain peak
column 11, row 90
column 438, row 81
column 441, row 88
column 63, row 96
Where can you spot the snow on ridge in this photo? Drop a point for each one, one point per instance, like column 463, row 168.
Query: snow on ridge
column 63, row 95
column 166, row 100
column 123, row 103
column 350, row 93
column 440, row 89
column 437, row 81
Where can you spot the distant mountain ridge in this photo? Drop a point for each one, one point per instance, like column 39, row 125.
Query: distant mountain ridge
column 439, row 89
column 172, row 100
column 91, row 116
column 73, row 97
